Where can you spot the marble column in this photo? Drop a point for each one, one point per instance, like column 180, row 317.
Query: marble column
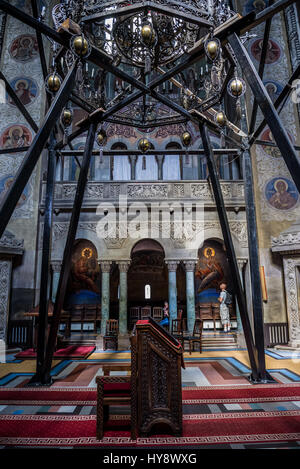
column 160, row 160
column 240, row 333
column 105, row 293
column 56, row 266
column 133, row 160
column 123, row 269
column 172, row 268
column 190, row 292
column 5, row 283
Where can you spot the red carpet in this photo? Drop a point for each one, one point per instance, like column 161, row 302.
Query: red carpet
column 72, row 351
column 210, row 395
column 79, row 430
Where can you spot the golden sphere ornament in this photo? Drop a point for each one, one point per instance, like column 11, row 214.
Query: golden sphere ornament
column 220, row 118
column 148, row 34
column 236, row 87
column 101, row 137
column 212, row 49
column 186, row 138
column 80, row 46
column 66, row 117
column 53, row 82
column 144, row 145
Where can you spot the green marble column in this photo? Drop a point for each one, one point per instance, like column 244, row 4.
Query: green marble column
column 190, row 293
column 172, row 268
column 123, row 268
column 105, row 293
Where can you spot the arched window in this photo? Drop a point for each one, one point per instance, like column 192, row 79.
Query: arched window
column 172, row 163
column 146, row 167
column 120, row 164
column 147, row 292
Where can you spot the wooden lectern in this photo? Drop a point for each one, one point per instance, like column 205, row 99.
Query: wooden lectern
column 156, row 361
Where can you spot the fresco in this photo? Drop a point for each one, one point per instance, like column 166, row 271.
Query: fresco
column 273, row 88
column 255, row 5
column 5, row 184
column 24, row 48
column 15, row 136
column 267, row 136
column 273, row 53
column 281, row 193
column 25, row 88
column 212, row 269
column 83, row 285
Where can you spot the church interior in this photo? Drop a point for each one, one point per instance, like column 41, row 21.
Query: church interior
column 149, row 224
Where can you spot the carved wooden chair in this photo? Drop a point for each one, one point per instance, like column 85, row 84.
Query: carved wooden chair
column 157, row 313
column 118, row 390
column 110, row 340
column 177, row 330
column 216, row 312
column 196, row 337
column 145, row 312
column 206, row 313
column 134, row 315
column 90, row 315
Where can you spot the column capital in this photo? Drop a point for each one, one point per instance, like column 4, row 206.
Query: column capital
column 172, row 264
column 56, row 265
column 190, row 264
column 124, row 265
column 104, row 265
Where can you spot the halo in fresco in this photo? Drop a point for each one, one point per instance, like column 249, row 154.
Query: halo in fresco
column 25, row 88
column 255, row 5
column 273, row 88
column 5, row 184
column 15, row 136
column 281, row 193
column 271, row 151
column 273, row 53
column 24, row 48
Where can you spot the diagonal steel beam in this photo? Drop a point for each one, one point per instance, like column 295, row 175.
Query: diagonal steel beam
column 45, row 377
column 283, row 95
column 271, row 116
column 261, row 68
column 45, row 264
column 18, row 103
column 230, row 252
column 32, row 156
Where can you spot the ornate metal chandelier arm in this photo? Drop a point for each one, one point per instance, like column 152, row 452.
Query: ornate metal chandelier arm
column 28, row 164
column 207, row 115
column 284, row 93
column 129, row 10
column 18, row 103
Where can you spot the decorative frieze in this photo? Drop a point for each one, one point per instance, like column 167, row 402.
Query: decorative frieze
column 147, row 191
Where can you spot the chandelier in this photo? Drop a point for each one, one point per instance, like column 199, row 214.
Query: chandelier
column 147, row 39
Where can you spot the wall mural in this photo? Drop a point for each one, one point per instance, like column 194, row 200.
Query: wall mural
column 15, row 136
column 273, row 88
column 5, row 184
column 273, row 53
column 24, row 48
column 25, row 88
column 281, row 193
column 255, row 5
column 212, row 269
column 83, row 285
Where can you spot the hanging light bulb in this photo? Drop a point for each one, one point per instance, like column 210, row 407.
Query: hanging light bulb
column 53, row 82
column 186, row 138
column 101, row 137
column 66, row 117
column 220, row 118
column 80, row 46
column 212, row 48
column 144, row 145
column 236, row 87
